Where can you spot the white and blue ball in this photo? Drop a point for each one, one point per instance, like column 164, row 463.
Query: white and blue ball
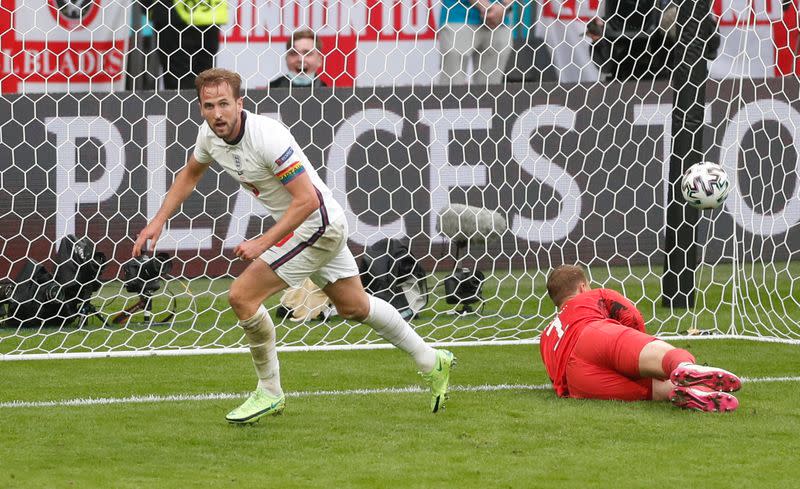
column 705, row 185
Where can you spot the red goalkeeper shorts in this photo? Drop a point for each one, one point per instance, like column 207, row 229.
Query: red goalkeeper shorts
column 605, row 363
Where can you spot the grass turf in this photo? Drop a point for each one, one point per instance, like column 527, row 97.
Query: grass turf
column 505, row 438
column 516, row 438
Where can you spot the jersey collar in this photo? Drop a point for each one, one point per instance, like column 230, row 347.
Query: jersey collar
column 238, row 138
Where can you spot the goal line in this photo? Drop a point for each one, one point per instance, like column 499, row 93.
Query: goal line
column 300, row 394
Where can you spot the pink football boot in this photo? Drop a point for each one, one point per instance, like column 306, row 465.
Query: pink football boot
column 700, row 399
column 689, row 374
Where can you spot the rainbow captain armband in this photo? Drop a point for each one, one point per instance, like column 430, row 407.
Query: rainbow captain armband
column 290, row 172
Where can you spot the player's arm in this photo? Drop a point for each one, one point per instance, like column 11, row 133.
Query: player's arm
column 621, row 309
column 304, row 202
column 481, row 5
column 181, row 188
column 491, row 12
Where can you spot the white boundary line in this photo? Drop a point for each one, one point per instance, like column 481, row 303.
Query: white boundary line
column 350, row 392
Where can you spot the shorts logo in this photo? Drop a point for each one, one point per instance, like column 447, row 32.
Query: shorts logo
column 285, row 156
column 284, row 239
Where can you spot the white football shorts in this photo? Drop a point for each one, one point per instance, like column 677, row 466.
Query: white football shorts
column 320, row 254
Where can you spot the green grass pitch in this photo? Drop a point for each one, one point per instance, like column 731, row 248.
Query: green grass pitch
column 331, row 435
column 359, row 419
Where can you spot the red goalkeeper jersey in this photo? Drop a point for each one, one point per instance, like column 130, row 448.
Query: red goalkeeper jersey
column 558, row 339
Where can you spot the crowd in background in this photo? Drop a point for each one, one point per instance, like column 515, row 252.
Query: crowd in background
column 475, row 39
column 484, row 42
column 340, row 43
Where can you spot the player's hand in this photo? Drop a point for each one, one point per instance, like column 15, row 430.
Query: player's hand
column 594, row 29
column 249, row 249
column 494, row 15
column 151, row 232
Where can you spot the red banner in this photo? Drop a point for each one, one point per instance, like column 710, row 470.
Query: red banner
column 52, row 45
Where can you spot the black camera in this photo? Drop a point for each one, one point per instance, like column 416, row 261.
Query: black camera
column 464, row 287
column 6, row 290
column 142, row 275
column 41, row 297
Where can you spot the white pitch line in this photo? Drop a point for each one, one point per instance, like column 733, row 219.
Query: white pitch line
column 350, row 392
column 238, row 395
column 763, row 380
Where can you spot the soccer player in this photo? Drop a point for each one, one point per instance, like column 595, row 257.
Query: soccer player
column 308, row 239
column 597, row 348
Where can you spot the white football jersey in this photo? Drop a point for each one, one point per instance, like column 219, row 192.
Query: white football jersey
column 264, row 159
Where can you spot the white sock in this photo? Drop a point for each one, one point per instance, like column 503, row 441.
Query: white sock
column 260, row 333
column 391, row 326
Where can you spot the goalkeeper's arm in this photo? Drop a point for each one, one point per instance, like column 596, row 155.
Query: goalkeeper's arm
column 620, row 308
column 179, row 191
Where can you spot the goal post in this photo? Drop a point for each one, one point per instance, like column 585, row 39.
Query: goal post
column 580, row 170
column 688, row 82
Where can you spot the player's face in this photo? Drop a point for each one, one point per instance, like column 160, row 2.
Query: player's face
column 221, row 110
column 304, row 57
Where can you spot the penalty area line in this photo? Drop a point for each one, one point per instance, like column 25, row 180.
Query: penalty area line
column 146, row 399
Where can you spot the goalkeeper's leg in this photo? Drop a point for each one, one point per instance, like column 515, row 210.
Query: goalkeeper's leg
column 690, row 386
column 636, row 354
column 645, row 360
column 663, row 361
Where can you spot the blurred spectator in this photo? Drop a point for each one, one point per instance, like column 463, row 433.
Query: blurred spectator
column 141, row 69
column 303, row 61
column 478, row 30
column 187, row 37
column 531, row 60
column 634, row 39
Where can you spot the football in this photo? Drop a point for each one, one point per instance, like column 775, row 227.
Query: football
column 705, row 185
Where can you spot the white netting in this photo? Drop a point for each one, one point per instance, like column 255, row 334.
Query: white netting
column 563, row 158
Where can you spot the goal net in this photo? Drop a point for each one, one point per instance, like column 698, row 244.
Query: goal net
column 564, row 156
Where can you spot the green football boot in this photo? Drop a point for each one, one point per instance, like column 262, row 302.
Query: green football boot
column 259, row 404
column 439, row 378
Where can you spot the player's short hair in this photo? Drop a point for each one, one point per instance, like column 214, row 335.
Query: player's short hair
column 217, row 76
column 304, row 34
column 563, row 281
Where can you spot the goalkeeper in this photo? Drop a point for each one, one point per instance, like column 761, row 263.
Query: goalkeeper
column 597, row 348
column 308, row 239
